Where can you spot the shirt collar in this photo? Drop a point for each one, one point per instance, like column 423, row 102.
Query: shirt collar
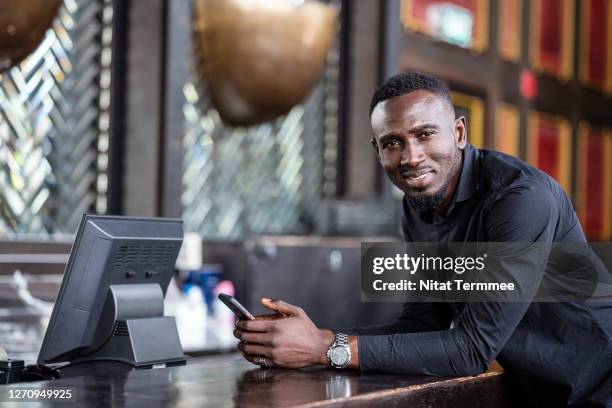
column 468, row 181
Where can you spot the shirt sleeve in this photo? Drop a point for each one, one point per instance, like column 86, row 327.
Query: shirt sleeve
column 415, row 317
column 524, row 213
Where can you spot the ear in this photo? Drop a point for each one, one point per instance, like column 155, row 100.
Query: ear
column 375, row 145
column 460, row 129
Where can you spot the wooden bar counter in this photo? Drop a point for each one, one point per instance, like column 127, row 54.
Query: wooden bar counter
column 228, row 380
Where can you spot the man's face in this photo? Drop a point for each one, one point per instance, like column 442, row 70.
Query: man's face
column 419, row 143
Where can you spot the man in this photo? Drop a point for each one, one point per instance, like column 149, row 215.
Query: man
column 553, row 353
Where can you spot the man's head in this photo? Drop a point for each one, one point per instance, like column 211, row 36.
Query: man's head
column 418, row 140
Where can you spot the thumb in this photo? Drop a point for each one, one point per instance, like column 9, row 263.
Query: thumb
column 281, row 307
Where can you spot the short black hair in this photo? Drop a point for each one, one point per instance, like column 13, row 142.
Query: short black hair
column 407, row 82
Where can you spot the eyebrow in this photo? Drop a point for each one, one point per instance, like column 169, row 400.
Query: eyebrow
column 422, row 127
column 416, row 129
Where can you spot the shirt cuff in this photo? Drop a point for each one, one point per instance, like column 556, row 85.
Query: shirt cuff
column 373, row 352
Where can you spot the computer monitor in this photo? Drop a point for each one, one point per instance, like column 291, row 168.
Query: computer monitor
column 111, row 300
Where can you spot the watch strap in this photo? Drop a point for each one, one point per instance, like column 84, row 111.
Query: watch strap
column 341, row 339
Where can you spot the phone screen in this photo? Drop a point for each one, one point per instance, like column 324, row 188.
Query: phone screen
column 240, row 311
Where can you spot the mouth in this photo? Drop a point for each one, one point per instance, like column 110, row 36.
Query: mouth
column 418, row 180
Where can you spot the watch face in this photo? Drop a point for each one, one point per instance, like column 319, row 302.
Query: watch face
column 339, row 355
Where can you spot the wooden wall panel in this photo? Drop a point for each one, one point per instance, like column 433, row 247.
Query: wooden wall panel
column 594, row 181
column 596, row 39
column 549, row 145
column 507, row 134
column 510, row 29
column 552, row 37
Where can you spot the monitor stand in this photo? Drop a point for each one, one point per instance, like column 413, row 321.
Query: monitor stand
column 133, row 330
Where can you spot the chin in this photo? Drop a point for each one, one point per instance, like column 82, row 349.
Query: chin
column 417, row 193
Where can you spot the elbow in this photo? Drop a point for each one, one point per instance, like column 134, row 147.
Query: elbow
column 471, row 357
column 472, row 362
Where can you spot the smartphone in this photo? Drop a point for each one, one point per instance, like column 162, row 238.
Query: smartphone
column 235, row 306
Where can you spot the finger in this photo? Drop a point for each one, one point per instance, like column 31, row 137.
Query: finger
column 256, row 325
column 254, row 349
column 257, row 360
column 282, row 307
column 274, row 316
column 252, row 358
column 252, row 337
column 238, row 333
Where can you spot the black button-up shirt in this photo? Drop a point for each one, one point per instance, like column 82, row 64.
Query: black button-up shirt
column 553, row 353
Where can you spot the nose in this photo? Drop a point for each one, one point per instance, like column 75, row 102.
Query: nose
column 412, row 155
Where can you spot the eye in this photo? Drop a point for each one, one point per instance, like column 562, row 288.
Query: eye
column 426, row 133
column 390, row 144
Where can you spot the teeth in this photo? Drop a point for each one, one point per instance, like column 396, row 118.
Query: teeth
column 419, row 177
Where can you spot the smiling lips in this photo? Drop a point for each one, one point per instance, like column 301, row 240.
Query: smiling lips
column 417, row 180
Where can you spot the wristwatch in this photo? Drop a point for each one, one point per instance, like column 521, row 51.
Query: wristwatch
column 339, row 353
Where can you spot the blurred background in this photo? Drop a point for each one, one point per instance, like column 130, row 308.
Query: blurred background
column 248, row 119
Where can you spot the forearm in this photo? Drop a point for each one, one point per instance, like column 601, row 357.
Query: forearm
column 467, row 349
column 421, row 319
column 443, row 353
column 429, row 353
column 397, row 326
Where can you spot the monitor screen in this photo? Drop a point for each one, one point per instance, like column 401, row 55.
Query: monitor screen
column 119, row 268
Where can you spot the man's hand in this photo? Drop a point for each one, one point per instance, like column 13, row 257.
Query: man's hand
column 287, row 339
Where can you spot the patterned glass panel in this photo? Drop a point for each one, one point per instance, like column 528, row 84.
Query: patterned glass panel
column 54, row 124
column 269, row 178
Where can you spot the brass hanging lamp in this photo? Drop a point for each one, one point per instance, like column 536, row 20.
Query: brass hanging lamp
column 261, row 57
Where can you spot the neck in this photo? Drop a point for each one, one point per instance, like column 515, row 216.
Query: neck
column 450, row 190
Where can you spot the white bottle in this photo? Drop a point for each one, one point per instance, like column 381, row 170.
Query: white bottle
column 190, row 314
